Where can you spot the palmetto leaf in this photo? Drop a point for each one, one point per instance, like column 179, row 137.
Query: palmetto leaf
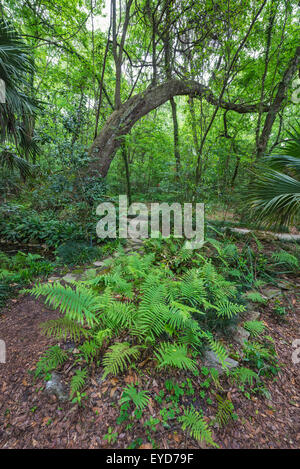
column 16, row 66
column 274, row 197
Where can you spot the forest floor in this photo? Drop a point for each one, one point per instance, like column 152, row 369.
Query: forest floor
column 30, row 418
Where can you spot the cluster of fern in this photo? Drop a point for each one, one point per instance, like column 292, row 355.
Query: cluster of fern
column 138, row 309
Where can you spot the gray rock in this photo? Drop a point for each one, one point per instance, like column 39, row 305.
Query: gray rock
column 271, row 292
column 53, row 279
column 98, row 263
column 70, row 278
column 241, row 335
column 211, row 361
column 55, row 386
column 253, row 315
column 89, row 274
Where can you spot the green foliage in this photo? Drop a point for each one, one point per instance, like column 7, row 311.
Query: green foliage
column 110, row 436
column 228, row 309
column 78, row 381
column 51, row 359
column 89, row 350
column 256, row 328
column 79, row 305
column 118, row 357
column 193, row 421
column 274, row 196
column 139, row 398
column 174, row 355
column 255, row 297
column 244, row 375
column 73, row 252
column 168, row 317
column 23, row 225
column 283, row 257
column 62, row 328
column 225, row 411
column 261, row 356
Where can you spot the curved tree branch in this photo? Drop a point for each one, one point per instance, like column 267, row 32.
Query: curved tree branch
column 123, row 119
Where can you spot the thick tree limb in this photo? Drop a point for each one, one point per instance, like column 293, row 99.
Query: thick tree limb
column 123, row 119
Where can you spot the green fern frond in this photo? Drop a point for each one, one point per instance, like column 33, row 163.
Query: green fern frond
column 62, row 328
column 139, row 398
column 197, row 427
column 118, row 357
column 283, row 257
column 255, row 297
column 225, row 411
column 78, row 381
column 168, row 354
column 227, row 309
column 80, row 305
column 50, row 360
column 102, row 335
column 217, row 348
column 245, row 375
column 119, row 315
column 256, row 328
column 89, row 350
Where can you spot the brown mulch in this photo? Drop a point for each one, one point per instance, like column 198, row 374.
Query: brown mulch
column 31, row 419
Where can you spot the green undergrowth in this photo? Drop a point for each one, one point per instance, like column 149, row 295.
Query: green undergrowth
column 166, row 308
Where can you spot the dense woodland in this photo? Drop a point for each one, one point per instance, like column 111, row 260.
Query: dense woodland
column 141, row 343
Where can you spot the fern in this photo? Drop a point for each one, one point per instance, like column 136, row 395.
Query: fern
column 118, row 357
column 217, row 348
column 102, row 335
column 52, row 358
column 174, row 355
column 225, row 411
column 80, row 305
column 139, row 398
column 256, row 328
column 62, row 328
column 255, row 297
column 283, row 257
column 89, row 350
column 118, row 315
column 197, row 427
column 78, row 381
column 227, row 310
column 244, row 375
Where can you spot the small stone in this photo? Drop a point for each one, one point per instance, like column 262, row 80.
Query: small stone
column 53, row 279
column 89, row 274
column 211, row 361
column 98, row 263
column 69, row 278
column 253, row 315
column 271, row 292
column 56, row 387
column 241, row 335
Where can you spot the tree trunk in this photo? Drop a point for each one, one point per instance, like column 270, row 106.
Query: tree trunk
column 176, row 136
column 277, row 103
